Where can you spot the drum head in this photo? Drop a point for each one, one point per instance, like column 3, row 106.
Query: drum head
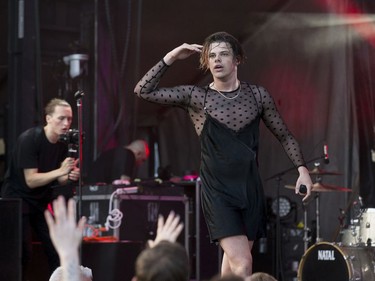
column 323, row 262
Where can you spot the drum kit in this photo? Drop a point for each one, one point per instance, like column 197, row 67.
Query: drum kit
column 350, row 259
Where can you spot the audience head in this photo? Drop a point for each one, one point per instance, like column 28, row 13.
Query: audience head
column 166, row 261
column 57, row 275
column 228, row 277
column 261, row 276
column 140, row 149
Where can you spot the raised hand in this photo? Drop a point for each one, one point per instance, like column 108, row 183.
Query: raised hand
column 66, row 234
column 169, row 230
column 182, row 52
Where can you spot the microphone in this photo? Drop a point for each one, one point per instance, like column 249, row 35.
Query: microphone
column 303, row 189
column 325, row 151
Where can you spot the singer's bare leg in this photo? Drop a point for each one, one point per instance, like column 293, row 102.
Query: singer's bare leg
column 237, row 258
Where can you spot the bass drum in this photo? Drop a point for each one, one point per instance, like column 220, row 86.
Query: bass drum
column 331, row 262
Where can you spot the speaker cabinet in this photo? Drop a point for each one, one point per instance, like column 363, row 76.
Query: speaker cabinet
column 10, row 239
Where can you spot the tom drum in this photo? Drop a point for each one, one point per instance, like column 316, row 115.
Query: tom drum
column 350, row 236
column 367, row 227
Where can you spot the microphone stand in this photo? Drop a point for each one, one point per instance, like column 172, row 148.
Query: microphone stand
column 278, row 177
column 78, row 96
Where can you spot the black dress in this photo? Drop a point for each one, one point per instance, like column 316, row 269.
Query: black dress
column 232, row 193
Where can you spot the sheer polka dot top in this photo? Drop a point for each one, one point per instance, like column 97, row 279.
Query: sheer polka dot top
column 235, row 109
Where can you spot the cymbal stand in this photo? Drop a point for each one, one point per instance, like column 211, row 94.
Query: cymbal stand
column 278, row 263
column 317, row 215
column 306, row 229
column 317, row 209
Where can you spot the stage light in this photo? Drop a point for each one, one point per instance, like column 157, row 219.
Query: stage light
column 75, row 64
column 285, row 206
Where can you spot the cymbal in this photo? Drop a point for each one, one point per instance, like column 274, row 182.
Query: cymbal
column 319, row 172
column 319, row 187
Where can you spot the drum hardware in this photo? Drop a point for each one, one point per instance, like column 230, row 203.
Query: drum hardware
column 317, row 188
column 350, row 236
column 317, row 215
column 366, row 227
column 343, row 232
column 307, row 238
column 306, row 229
column 278, row 177
column 319, row 172
column 361, row 230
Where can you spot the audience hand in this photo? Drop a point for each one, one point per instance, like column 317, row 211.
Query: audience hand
column 65, row 234
column 169, row 230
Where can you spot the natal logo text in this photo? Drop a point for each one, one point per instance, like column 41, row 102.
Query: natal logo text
column 326, row 255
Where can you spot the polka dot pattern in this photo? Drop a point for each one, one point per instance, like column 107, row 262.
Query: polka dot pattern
column 252, row 101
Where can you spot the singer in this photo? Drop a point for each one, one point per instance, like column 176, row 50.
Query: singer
column 226, row 115
column 38, row 162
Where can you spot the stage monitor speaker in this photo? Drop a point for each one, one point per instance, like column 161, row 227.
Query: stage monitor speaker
column 10, row 239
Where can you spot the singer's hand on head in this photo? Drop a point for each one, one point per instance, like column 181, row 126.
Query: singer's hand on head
column 182, row 52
